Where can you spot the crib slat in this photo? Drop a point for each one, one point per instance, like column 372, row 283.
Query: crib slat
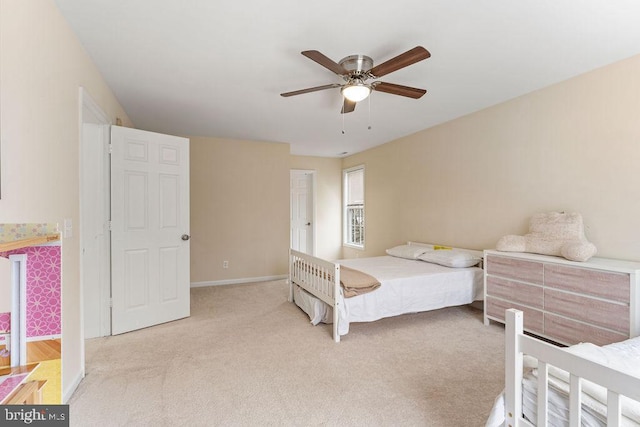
column 543, row 389
column 513, row 369
column 613, row 408
column 336, row 303
column 575, row 400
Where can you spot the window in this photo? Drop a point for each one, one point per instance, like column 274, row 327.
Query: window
column 353, row 191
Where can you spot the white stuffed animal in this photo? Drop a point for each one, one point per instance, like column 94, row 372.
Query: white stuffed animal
column 554, row 233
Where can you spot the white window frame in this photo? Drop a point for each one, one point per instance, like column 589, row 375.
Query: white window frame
column 346, row 229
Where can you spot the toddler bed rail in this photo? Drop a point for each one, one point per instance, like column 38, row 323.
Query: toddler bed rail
column 617, row 383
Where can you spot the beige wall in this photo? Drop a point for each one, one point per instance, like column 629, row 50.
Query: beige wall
column 42, row 66
column 239, row 209
column 574, row 146
column 328, row 202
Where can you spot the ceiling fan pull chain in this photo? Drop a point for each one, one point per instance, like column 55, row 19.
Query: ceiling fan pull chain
column 369, row 127
column 342, row 122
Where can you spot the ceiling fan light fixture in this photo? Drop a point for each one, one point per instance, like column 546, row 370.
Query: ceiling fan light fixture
column 356, row 92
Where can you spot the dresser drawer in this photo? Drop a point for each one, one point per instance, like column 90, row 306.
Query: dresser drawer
column 597, row 312
column 530, row 295
column 603, row 284
column 571, row 332
column 517, row 269
column 496, row 307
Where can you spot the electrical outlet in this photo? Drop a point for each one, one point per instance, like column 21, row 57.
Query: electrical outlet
column 225, row 264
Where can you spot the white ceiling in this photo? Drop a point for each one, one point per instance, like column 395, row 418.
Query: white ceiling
column 216, row 68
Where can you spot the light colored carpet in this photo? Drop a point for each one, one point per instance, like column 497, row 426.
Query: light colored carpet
column 246, row 356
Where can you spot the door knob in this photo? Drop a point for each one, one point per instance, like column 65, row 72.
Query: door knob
column 185, row 237
column 308, row 223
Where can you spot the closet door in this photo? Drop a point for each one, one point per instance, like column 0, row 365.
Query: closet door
column 301, row 205
column 150, row 228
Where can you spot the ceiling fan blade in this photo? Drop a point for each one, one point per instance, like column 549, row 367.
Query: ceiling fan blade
column 311, row 89
column 410, row 92
column 328, row 63
column 347, row 106
column 412, row 56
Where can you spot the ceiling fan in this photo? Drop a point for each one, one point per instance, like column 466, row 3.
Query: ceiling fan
column 356, row 70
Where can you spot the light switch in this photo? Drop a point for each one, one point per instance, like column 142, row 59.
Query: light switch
column 67, row 230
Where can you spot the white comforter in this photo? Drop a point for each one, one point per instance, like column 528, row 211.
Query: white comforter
column 408, row 286
column 623, row 356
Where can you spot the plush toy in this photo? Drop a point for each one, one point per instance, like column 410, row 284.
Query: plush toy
column 554, row 233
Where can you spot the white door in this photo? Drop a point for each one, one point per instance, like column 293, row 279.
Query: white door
column 302, row 226
column 150, row 229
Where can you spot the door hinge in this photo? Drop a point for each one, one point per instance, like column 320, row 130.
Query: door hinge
column 111, row 302
column 110, row 148
column 109, row 225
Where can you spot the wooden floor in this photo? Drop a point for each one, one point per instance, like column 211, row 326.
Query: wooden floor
column 37, row 351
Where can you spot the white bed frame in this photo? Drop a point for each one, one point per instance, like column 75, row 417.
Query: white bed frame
column 517, row 344
column 321, row 279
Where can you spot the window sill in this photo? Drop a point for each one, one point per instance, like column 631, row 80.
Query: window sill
column 348, row 245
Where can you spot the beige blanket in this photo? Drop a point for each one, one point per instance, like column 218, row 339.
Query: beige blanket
column 356, row 282
column 353, row 282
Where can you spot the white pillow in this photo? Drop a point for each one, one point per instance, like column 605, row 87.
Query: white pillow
column 407, row 251
column 450, row 258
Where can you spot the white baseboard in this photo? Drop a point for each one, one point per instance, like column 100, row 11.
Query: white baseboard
column 68, row 392
column 237, row 281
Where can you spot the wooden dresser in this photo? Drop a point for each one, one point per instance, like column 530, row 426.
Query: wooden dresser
column 565, row 301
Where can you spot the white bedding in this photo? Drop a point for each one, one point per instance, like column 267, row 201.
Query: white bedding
column 407, row 286
column 623, row 356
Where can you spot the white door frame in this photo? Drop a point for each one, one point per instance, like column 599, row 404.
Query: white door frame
column 90, row 112
column 314, row 221
column 18, row 341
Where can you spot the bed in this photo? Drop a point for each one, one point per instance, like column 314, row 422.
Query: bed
column 412, row 278
column 581, row 385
